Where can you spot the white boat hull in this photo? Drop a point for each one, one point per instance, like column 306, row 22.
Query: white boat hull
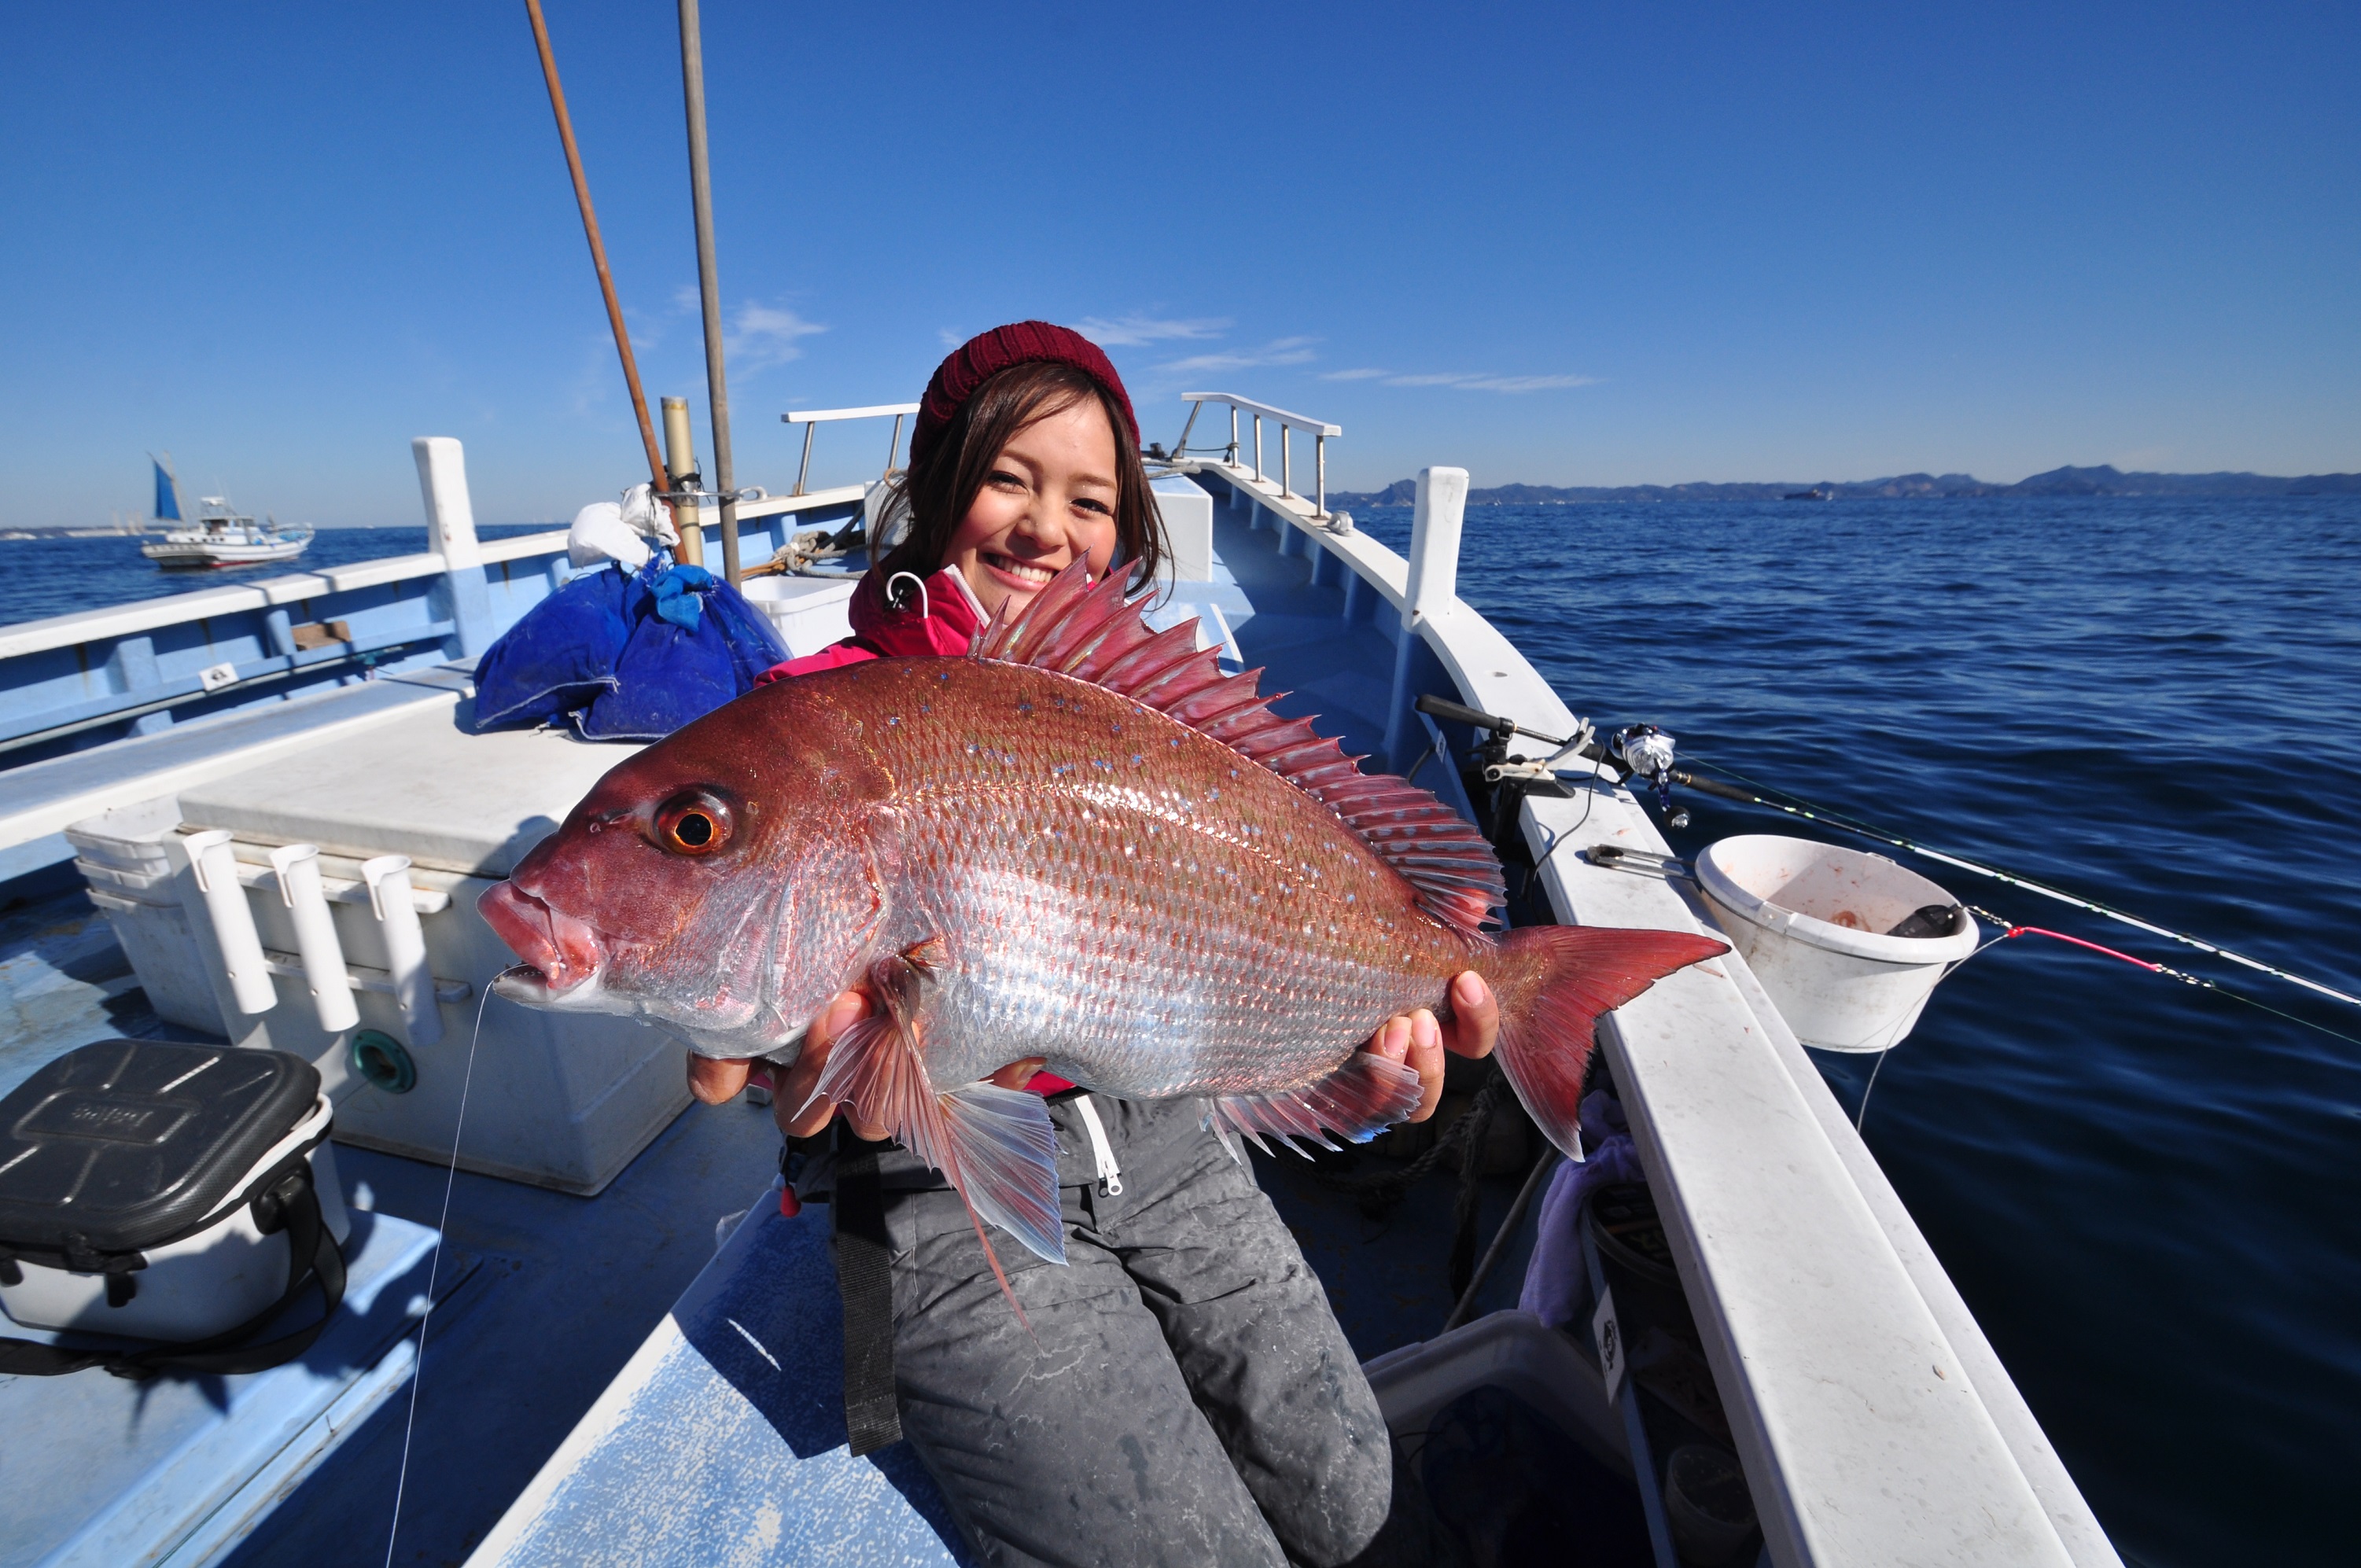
column 173, row 555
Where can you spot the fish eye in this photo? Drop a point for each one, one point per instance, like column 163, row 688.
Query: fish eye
column 693, row 823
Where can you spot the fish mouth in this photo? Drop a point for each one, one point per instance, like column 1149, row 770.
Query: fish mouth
column 560, row 953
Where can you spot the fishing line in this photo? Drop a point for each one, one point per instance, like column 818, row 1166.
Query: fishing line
column 1836, row 819
column 2011, row 929
column 1861, row 1113
column 417, row 1366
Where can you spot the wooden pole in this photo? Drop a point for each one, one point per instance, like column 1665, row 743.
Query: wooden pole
column 700, row 191
column 597, row 247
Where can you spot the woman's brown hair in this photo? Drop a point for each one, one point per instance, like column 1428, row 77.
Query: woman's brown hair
column 939, row 489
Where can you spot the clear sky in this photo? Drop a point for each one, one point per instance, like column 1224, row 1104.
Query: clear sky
column 1564, row 244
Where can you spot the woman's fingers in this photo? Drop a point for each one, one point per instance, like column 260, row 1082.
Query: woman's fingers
column 796, row 1084
column 1475, row 1018
column 1017, row 1074
column 1418, row 1042
column 714, row 1080
column 1425, row 1058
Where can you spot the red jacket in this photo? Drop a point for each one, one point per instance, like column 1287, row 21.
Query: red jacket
column 943, row 621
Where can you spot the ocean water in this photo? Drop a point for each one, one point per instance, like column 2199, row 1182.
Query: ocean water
column 2149, row 1194
column 47, row 576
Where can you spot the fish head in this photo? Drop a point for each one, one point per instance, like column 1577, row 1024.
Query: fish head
column 712, row 884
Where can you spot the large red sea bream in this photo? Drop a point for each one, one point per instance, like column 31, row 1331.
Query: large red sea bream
column 1083, row 842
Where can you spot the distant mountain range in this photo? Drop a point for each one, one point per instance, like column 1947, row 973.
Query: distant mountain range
column 2100, row 481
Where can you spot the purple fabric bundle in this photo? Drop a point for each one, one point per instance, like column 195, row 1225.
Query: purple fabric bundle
column 1557, row 1283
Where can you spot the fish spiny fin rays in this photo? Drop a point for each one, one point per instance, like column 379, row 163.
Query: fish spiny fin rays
column 1359, row 1100
column 996, row 1145
column 1092, row 632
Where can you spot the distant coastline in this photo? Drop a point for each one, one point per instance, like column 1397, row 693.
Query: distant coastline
column 2102, row 480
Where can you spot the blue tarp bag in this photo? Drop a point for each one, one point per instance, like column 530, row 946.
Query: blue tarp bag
column 628, row 657
column 560, row 656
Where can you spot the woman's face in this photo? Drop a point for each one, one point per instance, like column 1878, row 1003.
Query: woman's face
column 1048, row 501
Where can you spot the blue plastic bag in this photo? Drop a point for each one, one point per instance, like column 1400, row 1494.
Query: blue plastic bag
column 629, row 656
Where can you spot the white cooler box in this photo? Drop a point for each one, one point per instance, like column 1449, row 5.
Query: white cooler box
column 558, row 1101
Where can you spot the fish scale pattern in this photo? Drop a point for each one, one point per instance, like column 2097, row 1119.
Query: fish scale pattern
column 1126, row 896
column 1095, row 633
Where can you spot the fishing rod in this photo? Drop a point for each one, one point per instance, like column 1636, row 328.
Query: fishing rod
column 656, row 471
column 708, row 285
column 1643, row 751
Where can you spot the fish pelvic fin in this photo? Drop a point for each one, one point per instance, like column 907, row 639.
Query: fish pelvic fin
column 1553, row 982
column 1361, row 1099
column 1092, row 632
column 996, row 1146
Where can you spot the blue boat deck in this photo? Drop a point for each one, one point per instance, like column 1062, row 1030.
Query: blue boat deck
column 562, row 1292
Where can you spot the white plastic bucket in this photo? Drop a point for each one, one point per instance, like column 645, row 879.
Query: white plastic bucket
column 1811, row 921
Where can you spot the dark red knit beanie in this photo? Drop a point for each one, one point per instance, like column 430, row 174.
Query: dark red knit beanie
column 987, row 354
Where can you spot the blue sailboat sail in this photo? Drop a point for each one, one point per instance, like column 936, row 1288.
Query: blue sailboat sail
column 168, row 495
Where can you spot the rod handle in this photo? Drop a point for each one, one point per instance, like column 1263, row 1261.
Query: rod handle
column 1459, row 713
column 1687, row 780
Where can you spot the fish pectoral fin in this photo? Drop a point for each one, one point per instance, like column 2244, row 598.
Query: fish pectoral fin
column 1361, row 1099
column 996, row 1145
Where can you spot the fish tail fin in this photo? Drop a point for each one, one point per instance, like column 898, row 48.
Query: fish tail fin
column 1553, row 982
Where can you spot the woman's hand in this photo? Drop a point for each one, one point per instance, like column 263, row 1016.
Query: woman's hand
column 714, row 1080
column 1418, row 1040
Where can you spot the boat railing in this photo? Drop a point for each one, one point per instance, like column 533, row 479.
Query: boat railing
column 1875, row 1420
column 1321, row 430
column 812, row 418
column 71, row 681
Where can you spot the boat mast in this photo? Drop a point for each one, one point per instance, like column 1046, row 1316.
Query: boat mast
column 656, row 474
column 701, row 188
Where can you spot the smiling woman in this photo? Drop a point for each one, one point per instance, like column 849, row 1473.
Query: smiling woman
column 1026, row 456
column 1183, row 1325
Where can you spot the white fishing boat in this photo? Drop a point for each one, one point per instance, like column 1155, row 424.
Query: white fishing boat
column 1872, row 1421
column 220, row 536
column 224, row 536
column 257, row 816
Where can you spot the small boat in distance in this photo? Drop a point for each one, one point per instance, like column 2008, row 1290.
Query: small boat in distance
column 222, row 535
column 1817, row 493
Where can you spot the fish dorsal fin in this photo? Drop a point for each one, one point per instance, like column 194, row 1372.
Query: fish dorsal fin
column 1093, row 632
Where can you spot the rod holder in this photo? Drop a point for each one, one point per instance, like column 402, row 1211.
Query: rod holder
column 300, row 889
column 387, row 877
column 233, row 920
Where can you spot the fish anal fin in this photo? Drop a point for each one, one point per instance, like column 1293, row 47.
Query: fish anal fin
column 1361, row 1099
column 1091, row 632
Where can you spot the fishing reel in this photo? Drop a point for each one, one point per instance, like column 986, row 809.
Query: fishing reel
column 1644, row 752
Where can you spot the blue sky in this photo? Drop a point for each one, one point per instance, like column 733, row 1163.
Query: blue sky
column 1564, row 244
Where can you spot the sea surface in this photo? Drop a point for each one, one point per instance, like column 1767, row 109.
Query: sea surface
column 51, row 576
column 2149, row 1194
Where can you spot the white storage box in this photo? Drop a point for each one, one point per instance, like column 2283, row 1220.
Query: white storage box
column 810, row 613
column 131, row 1172
column 561, row 1101
column 1512, row 1350
column 126, row 859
